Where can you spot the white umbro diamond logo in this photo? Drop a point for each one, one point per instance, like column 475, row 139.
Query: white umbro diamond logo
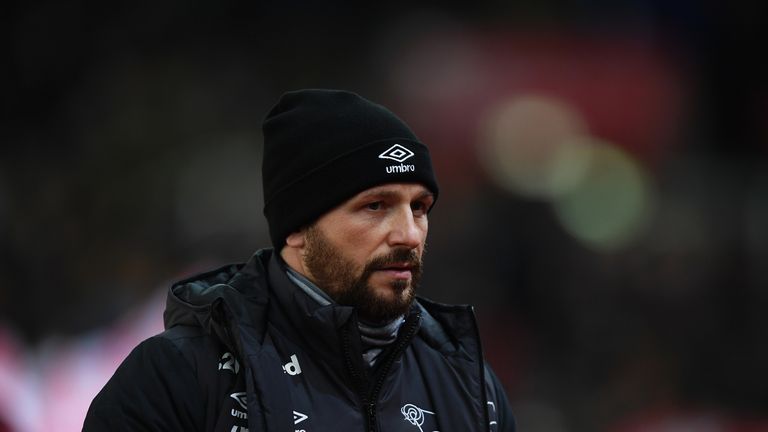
column 240, row 398
column 397, row 153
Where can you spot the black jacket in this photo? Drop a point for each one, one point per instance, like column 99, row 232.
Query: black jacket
column 247, row 350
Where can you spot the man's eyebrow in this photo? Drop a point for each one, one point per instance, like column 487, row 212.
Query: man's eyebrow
column 426, row 194
column 385, row 193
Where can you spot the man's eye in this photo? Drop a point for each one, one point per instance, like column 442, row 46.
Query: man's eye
column 374, row 205
column 419, row 207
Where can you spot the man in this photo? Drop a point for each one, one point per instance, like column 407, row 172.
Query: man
column 323, row 333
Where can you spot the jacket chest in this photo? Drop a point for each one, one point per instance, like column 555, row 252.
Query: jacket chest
column 294, row 389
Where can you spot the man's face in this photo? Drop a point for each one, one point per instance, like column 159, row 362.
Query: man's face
column 367, row 252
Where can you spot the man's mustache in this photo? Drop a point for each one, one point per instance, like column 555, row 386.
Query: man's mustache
column 397, row 256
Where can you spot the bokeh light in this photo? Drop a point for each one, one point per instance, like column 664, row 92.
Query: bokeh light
column 525, row 142
column 610, row 203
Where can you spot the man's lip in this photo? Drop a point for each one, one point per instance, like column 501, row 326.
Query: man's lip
column 401, row 270
column 397, row 273
column 397, row 267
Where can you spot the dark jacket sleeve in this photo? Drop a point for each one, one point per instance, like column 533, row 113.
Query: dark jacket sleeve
column 498, row 406
column 154, row 389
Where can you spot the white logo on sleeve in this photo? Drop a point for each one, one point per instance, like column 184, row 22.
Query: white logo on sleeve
column 292, row 367
column 493, row 407
column 240, row 398
column 397, row 153
column 414, row 415
column 229, row 362
column 299, row 417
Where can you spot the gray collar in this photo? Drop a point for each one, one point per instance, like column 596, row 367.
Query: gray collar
column 308, row 287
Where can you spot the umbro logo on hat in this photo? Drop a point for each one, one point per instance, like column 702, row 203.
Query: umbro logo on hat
column 397, row 153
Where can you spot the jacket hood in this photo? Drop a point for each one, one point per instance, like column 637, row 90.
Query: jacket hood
column 221, row 300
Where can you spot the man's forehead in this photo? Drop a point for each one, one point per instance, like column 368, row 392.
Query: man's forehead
column 416, row 189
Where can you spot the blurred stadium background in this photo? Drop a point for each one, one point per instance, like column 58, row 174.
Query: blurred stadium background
column 603, row 170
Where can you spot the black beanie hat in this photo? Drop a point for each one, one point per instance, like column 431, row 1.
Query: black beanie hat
column 322, row 147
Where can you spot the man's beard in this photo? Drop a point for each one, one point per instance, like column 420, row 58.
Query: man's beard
column 336, row 275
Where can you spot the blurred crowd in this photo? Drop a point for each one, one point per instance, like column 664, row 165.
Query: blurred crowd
column 603, row 171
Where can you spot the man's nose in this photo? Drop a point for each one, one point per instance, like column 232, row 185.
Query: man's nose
column 405, row 231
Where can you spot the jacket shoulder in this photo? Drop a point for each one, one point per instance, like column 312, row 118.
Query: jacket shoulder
column 154, row 388
column 175, row 380
column 216, row 368
column 193, row 344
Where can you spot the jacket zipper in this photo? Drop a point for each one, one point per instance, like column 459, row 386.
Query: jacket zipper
column 369, row 398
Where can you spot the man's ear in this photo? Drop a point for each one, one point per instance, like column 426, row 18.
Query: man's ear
column 296, row 239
